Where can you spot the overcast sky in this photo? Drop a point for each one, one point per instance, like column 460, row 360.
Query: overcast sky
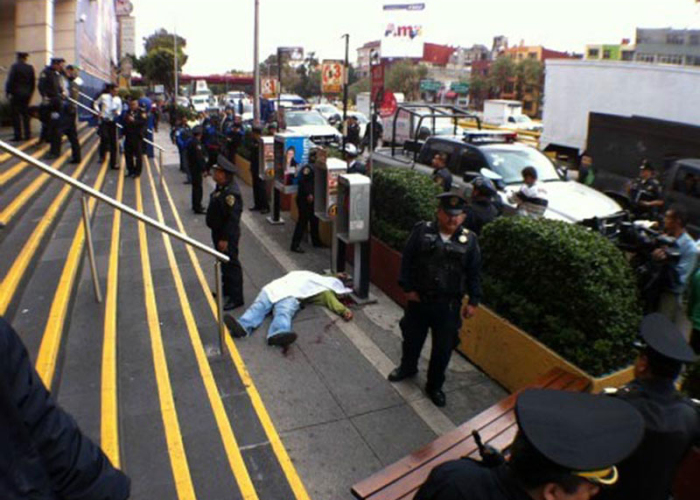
column 219, row 33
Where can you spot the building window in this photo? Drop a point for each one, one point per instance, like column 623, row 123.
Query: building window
column 694, row 40
column 508, row 88
column 529, row 89
column 692, row 61
column 532, row 55
column 527, row 105
column 593, row 53
column 675, row 39
column 627, row 55
column 648, row 58
column 671, row 59
column 520, row 56
column 606, row 54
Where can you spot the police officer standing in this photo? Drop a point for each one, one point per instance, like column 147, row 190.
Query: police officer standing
column 355, row 166
column 645, row 193
column 672, row 421
column 69, row 117
column 134, row 129
column 440, row 264
column 259, row 193
column 566, row 448
column 196, row 163
column 51, row 90
column 19, row 88
column 109, row 105
column 224, row 220
column 353, row 136
column 482, row 209
column 305, row 206
column 441, row 175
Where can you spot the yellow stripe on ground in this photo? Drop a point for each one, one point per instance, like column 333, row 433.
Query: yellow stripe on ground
column 285, row 462
column 173, row 437
column 11, row 281
column 109, row 428
column 31, row 142
column 21, row 147
column 23, row 198
column 235, row 459
column 53, row 333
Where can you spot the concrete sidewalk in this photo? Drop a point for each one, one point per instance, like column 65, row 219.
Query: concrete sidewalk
column 338, row 416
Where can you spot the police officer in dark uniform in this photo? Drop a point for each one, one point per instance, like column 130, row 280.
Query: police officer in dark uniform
column 69, row 116
column 645, row 193
column 196, row 162
column 353, row 136
column 19, row 88
column 440, row 264
column 441, row 176
column 259, row 193
column 482, row 209
column 224, row 220
column 305, row 205
column 672, row 421
column 51, row 91
column 355, row 166
column 134, row 129
column 566, row 448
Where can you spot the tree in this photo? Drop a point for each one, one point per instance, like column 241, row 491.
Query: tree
column 501, row 73
column 405, row 77
column 359, row 86
column 479, row 89
column 156, row 66
column 529, row 73
column 161, row 39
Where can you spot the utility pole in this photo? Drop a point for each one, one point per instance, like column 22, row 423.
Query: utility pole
column 175, row 63
column 346, row 74
column 256, row 67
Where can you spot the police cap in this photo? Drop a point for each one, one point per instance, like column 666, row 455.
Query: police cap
column 451, row 203
column 223, row 164
column 646, row 165
column 351, row 149
column 662, row 336
column 484, row 185
column 584, row 433
column 22, row 55
column 57, row 60
column 197, row 130
column 257, row 129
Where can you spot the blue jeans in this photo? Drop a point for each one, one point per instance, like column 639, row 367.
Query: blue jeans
column 283, row 312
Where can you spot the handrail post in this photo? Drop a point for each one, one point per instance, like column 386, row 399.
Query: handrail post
column 160, row 166
column 220, row 306
column 91, row 250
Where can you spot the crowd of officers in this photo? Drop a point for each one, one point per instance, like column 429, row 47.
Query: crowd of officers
column 59, row 86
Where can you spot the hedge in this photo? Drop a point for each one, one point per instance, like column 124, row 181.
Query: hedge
column 400, row 199
column 567, row 286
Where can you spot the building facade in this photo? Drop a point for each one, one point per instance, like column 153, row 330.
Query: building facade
column 83, row 32
column 363, row 55
column 668, row 46
column 610, row 52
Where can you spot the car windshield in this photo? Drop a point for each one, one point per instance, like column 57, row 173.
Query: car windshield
column 200, row 100
column 301, row 119
column 509, row 163
column 522, row 119
column 326, row 109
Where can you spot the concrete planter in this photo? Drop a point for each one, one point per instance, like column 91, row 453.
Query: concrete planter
column 385, row 268
column 515, row 359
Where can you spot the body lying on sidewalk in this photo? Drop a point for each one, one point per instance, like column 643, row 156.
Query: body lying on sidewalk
column 284, row 297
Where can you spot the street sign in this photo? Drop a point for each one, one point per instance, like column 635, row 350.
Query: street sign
column 460, row 87
column 388, row 105
column 332, row 77
column 377, row 81
column 430, row 85
column 269, row 87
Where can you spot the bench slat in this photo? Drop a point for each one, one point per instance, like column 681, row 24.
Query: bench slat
column 458, row 443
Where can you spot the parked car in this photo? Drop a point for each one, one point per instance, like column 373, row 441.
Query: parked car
column 495, row 154
column 522, row 122
column 199, row 103
column 292, row 101
column 329, row 112
column 313, row 125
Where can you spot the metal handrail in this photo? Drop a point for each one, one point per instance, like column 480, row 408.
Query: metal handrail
column 119, row 125
column 113, row 203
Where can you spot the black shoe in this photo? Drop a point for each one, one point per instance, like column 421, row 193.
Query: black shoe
column 399, row 374
column 16, row 139
column 264, row 211
column 199, row 210
column 75, row 162
column 236, row 329
column 282, row 339
column 254, row 209
column 436, row 396
column 230, row 304
column 297, row 250
column 50, row 156
column 187, row 182
column 318, row 245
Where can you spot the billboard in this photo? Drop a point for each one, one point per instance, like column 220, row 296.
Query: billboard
column 332, row 77
column 404, row 33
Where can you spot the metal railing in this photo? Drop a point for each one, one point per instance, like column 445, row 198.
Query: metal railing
column 87, row 190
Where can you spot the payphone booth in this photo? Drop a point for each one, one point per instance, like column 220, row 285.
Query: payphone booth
column 290, row 152
column 267, row 159
column 352, row 227
column 326, row 174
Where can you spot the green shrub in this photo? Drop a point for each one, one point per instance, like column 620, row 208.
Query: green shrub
column 400, row 199
column 569, row 287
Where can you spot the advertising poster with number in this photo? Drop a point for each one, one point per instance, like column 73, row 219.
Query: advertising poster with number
column 332, row 77
column 268, row 87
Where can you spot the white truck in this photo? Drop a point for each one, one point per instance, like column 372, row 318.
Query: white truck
column 497, row 111
column 573, row 89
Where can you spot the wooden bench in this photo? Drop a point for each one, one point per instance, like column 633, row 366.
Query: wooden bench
column 497, row 428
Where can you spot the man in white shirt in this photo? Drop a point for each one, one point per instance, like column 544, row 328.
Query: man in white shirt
column 531, row 198
column 109, row 105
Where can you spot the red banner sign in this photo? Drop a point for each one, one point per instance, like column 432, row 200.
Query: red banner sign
column 377, row 81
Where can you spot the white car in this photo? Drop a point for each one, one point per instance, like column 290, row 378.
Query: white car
column 199, row 103
column 522, row 122
column 314, row 126
column 328, row 111
column 291, row 101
